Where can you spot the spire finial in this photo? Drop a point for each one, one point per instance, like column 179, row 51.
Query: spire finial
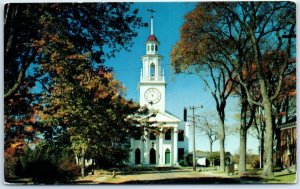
column 151, row 25
column 151, row 11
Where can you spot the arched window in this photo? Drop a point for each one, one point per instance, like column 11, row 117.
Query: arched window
column 152, row 47
column 156, row 47
column 137, row 156
column 148, row 47
column 152, row 156
column 152, row 71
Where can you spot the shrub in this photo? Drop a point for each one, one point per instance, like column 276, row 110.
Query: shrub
column 183, row 163
column 42, row 171
column 12, row 165
column 68, row 171
column 214, row 159
column 49, row 164
column 236, row 158
column 189, row 159
column 9, row 167
column 253, row 160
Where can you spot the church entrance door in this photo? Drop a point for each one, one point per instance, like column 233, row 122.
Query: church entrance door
column 137, row 156
column 167, row 157
column 152, row 156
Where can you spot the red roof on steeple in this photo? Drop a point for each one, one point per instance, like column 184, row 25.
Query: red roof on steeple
column 152, row 38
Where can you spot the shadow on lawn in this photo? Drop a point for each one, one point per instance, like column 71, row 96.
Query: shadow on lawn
column 149, row 172
column 285, row 174
column 202, row 180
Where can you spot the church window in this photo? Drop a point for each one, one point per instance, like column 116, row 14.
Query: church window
column 152, row 71
column 180, row 135
column 137, row 136
column 152, row 136
column 152, row 47
column 148, row 47
column 168, row 134
column 180, row 153
column 155, row 47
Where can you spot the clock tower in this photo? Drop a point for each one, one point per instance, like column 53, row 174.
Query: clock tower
column 152, row 81
column 168, row 143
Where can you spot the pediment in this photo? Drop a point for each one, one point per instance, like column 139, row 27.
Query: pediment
column 165, row 117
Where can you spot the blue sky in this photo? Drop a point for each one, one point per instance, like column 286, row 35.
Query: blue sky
column 183, row 89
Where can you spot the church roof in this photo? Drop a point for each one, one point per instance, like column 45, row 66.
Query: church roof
column 152, row 38
column 165, row 117
column 172, row 114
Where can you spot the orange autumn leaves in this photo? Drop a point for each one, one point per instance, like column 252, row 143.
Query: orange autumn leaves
column 102, row 85
column 195, row 44
column 69, row 95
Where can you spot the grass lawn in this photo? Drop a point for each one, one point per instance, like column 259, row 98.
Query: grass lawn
column 282, row 177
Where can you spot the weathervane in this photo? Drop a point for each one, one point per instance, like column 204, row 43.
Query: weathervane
column 151, row 11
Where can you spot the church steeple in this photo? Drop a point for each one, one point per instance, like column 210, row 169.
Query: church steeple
column 152, row 42
column 152, row 69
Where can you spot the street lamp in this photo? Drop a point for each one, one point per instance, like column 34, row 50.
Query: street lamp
column 194, row 130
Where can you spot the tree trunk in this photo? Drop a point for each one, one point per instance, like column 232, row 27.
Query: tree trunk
column 243, row 135
column 261, row 138
column 261, row 150
column 82, row 162
column 210, row 146
column 210, row 150
column 222, row 146
column 268, row 145
column 243, row 146
column 267, row 104
column 277, row 134
column 93, row 166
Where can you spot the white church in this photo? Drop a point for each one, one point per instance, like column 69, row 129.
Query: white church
column 170, row 144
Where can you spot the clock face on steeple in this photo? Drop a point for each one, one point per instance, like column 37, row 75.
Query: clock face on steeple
column 152, row 96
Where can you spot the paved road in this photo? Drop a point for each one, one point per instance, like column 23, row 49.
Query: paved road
column 165, row 177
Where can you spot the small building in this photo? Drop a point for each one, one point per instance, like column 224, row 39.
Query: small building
column 288, row 148
column 202, row 158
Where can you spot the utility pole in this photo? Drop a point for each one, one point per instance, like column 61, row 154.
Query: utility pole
column 194, row 131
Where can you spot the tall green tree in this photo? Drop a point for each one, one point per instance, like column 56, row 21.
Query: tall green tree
column 91, row 109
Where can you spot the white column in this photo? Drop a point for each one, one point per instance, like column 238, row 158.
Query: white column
column 175, row 147
column 132, row 153
column 142, row 152
column 161, row 138
column 145, row 148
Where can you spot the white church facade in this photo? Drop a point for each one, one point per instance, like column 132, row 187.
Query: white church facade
column 166, row 147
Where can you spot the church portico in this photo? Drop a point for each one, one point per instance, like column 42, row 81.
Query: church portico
column 159, row 144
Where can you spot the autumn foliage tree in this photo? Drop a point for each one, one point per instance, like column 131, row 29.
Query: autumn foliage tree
column 244, row 33
column 36, row 33
column 200, row 54
column 91, row 109
column 53, row 47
